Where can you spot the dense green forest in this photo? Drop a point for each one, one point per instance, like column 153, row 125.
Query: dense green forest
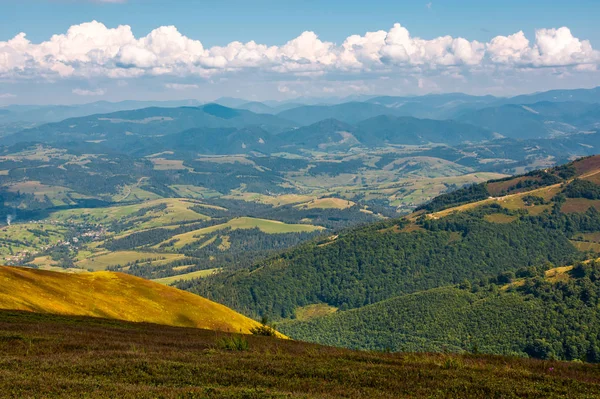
column 366, row 265
column 534, row 317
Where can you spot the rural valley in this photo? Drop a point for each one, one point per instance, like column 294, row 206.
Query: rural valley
column 389, row 214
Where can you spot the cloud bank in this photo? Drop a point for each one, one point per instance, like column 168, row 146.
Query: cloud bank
column 92, row 50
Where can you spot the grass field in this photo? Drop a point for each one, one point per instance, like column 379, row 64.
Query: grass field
column 167, row 164
column 188, row 191
column 177, row 211
column 103, row 260
column 30, row 237
column 500, row 218
column 309, row 312
column 266, row 226
column 186, row 276
column 113, row 295
column 74, row 357
column 277, row 200
column 327, row 203
column 58, row 195
column 586, row 246
column 573, row 205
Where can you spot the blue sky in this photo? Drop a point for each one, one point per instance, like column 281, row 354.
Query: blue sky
column 307, row 67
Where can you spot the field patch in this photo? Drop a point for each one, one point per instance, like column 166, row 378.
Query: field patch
column 187, row 276
column 500, row 218
column 146, row 215
column 264, row 225
column 314, row 311
column 327, row 203
column 586, row 246
column 168, row 164
column 102, row 261
column 558, row 274
column 498, row 188
column 578, row 205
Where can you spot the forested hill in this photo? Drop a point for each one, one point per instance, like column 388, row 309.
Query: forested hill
column 552, row 314
column 485, row 275
column 541, row 222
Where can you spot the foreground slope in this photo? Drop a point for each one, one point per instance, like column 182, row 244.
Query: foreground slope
column 115, row 296
column 74, row 357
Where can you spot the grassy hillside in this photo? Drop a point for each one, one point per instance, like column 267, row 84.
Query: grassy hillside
column 106, row 358
column 113, row 295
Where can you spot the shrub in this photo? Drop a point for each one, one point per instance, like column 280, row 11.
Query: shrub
column 233, row 343
column 263, row 330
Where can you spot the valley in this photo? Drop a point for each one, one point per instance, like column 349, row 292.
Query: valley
column 285, row 199
column 428, row 244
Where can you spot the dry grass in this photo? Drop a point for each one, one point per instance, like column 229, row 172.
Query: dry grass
column 587, row 165
column 102, row 261
column 168, row 164
column 116, row 296
column 558, row 274
column 313, row 311
column 327, row 203
column 578, row 205
column 186, row 276
column 500, row 218
column 265, row 225
column 586, row 246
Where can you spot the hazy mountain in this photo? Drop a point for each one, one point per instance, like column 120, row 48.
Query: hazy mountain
column 583, row 95
column 351, row 112
column 539, row 120
column 218, row 141
column 387, row 129
column 325, row 134
column 434, row 106
column 257, row 107
column 148, row 122
column 56, row 113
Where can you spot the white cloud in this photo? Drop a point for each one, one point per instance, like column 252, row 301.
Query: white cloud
column 93, row 50
column 181, row 86
column 85, row 92
column 7, row 95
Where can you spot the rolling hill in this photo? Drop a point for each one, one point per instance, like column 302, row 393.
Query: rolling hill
column 115, row 296
column 472, row 236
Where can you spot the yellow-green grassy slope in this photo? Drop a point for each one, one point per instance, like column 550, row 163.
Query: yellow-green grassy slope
column 114, row 296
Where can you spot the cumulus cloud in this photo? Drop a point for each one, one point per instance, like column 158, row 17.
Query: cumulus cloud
column 93, row 50
column 85, row 92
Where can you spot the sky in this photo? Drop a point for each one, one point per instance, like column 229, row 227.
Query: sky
column 76, row 51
